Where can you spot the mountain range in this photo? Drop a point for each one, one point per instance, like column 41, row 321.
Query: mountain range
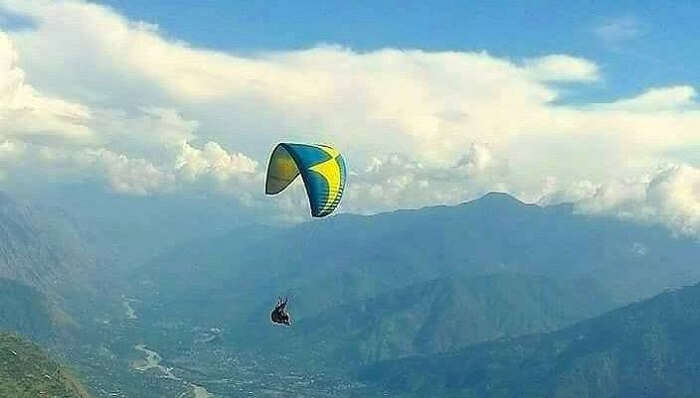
column 443, row 315
column 646, row 349
column 484, row 296
column 348, row 258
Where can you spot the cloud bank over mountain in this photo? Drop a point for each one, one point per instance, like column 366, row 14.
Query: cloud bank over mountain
column 89, row 95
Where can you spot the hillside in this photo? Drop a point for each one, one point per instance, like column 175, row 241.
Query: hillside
column 444, row 315
column 25, row 310
column 128, row 230
column 26, row 371
column 648, row 349
column 47, row 272
column 43, row 249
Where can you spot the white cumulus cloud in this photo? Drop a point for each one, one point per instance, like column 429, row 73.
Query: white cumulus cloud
column 88, row 93
column 24, row 111
column 560, row 67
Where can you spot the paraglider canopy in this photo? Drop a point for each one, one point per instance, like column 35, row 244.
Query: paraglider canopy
column 322, row 169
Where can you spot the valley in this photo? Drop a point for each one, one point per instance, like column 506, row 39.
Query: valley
column 193, row 319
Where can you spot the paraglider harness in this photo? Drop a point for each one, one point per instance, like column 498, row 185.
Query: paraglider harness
column 279, row 314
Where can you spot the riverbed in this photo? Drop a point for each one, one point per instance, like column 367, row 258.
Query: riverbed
column 153, row 360
column 130, row 313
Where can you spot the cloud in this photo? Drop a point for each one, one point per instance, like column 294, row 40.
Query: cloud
column 214, row 160
column 396, row 181
column 124, row 175
column 26, row 112
column 674, row 196
column 212, row 167
column 657, row 99
column 618, row 30
column 669, row 196
column 182, row 169
column 150, row 114
column 562, row 68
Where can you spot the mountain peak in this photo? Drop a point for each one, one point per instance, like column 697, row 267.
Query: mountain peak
column 499, row 199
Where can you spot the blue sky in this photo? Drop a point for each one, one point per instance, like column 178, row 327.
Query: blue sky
column 637, row 44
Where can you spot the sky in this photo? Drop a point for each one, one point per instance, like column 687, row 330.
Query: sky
column 650, row 30
column 588, row 102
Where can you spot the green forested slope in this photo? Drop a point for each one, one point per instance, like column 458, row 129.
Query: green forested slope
column 26, row 371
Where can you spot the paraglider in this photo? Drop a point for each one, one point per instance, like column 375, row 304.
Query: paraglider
column 280, row 314
column 321, row 167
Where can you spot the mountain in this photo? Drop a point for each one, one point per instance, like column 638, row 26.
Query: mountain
column 392, row 285
column 25, row 310
column 42, row 248
column 26, row 371
column 443, row 315
column 647, row 349
column 128, row 230
column 346, row 258
column 48, row 273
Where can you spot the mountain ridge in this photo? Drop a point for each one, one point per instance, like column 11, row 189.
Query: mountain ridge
column 644, row 349
column 444, row 314
column 496, row 233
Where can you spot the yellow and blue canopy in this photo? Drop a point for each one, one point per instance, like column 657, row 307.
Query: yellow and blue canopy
column 322, row 169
